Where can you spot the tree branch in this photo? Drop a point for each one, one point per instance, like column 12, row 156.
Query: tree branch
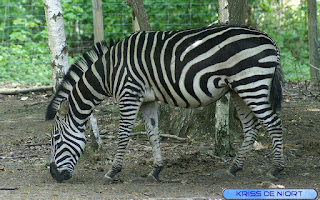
column 27, row 90
column 161, row 135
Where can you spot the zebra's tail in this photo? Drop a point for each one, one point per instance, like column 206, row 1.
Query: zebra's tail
column 73, row 76
column 275, row 97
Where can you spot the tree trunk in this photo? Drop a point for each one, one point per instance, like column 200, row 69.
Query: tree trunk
column 223, row 12
column 230, row 12
column 222, row 139
column 222, row 143
column 97, row 20
column 313, row 41
column 195, row 123
column 57, row 40
column 140, row 20
column 237, row 12
column 98, row 37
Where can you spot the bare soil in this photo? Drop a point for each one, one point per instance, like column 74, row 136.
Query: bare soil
column 191, row 171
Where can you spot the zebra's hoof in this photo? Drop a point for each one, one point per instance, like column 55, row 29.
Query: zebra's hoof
column 152, row 178
column 107, row 180
column 108, row 177
column 154, row 174
column 270, row 177
column 230, row 175
column 233, row 170
column 272, row 173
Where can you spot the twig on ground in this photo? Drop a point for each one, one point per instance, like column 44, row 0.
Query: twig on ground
column 108, row 137
column 8, row 187
column 162, row 135
column 144, row 133
column 36, row 144
column 216, row 157
column 12, row 157
column 26, row 90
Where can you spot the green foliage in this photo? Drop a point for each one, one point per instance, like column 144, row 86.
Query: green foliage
column 287, row 25
column 25, row 64
column 23, row 51
column 25, row 57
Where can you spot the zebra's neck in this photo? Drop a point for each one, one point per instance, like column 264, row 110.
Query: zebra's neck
column 87, row 93
column 84, row 81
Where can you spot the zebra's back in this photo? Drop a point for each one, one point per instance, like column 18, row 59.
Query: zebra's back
column 195, row 67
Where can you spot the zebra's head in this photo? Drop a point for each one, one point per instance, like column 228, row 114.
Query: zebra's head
column 67, row 143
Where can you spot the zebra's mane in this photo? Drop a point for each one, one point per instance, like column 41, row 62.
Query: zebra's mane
column 80, row 66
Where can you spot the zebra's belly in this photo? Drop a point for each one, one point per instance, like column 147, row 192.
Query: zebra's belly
column 186, row 100
column 204, row 100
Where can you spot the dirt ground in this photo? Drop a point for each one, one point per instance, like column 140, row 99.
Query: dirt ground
column 191, row 171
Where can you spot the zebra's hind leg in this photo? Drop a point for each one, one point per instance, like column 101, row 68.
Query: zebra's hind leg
column 262, row 110
column 274, row 128
column 272, row 123
column 150, row 119
column 128, row 113
column 250, row 126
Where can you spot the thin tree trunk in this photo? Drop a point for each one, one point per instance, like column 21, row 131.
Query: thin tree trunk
column 222, row 144
column 139, row 15
column 97, row 20
column 314, row 57
column 230, row 12
column 98, row 37
column 57, row 40
column 237, row 12
column 222, row 139
column 223, row 12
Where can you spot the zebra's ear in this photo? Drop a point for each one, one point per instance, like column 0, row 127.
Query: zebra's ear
column 63, row 108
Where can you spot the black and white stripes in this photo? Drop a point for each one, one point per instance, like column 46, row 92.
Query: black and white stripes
column 188, row 68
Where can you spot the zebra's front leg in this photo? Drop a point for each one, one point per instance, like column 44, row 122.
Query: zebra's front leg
column 150, row 118
column 128, row 113
column 118, row 160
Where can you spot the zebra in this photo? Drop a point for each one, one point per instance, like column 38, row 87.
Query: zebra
column 184, row 68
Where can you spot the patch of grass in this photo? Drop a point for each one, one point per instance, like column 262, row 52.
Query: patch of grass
column 139, row 128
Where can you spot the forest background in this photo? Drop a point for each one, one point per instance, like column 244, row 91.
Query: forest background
column 24, row 51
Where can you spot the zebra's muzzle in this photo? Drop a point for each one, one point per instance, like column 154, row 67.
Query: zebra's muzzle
column 59, row 176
